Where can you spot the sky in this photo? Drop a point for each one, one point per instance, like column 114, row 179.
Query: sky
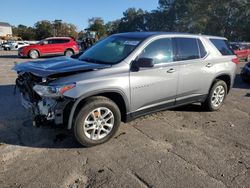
column 28, row 12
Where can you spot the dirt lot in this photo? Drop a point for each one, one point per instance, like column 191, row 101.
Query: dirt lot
column 183, row 147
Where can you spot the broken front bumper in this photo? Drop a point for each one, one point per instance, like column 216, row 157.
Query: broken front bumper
column 47, row 110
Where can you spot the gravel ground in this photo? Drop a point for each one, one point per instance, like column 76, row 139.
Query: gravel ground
column 183, row 147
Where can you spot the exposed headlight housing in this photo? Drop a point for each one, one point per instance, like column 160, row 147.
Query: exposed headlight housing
column 53, row 91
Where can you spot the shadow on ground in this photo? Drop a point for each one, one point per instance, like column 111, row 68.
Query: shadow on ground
column 16, row 124
column 8, row 56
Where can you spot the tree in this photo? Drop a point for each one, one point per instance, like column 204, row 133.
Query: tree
column 229, row 18
column 112, row 26
column 26, row 33
column 43, row 29
column 133, row 20
column 97, row 24
column 62, row 29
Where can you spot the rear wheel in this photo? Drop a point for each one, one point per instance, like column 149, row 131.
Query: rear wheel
column 216, row 96
column 97, row 121
column 68, row 53
column 33, row 54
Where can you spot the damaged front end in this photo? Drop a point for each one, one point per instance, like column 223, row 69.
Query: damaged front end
column 45, row 101
column 40, row 95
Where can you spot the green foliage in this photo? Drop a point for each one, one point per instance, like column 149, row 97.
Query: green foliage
column 228, row 18
column 43, row 29
column 25, row 32
column 97, row 24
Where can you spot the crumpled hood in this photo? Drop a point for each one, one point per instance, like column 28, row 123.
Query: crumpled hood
column 59, row 65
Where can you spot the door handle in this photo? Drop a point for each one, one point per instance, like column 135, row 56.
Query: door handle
column 171, row 70
column 209, row 65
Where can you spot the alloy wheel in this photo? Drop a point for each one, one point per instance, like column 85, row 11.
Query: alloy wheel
column 218, row 95
column 98, row 123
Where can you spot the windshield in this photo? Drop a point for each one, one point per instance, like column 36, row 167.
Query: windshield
column 111, row 50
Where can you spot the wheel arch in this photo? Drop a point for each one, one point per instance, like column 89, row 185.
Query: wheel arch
column 224, row 77
column 71, row 49
column 117, row 96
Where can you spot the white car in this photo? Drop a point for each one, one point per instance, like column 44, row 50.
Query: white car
column 7, row 45
column 18, row 44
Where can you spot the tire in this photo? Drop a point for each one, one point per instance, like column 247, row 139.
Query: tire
column 89, row 132
column 33, row 54
column 221, row 87
column 68, row 53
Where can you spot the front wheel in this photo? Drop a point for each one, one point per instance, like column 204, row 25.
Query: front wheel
column 216, row 96
column 33, row 54
column 97, row 121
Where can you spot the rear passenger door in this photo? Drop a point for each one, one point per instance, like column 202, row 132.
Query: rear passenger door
column 62, row 45
column 195, row 71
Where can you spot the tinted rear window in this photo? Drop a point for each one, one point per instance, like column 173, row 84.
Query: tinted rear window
column 222, row 46
column 187, row 48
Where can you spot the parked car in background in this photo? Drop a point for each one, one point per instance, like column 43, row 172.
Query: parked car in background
column 245, row 73
column 7, row 45
column 242, row 51
column 50, row 47
column 18, row 44
column 125, row 76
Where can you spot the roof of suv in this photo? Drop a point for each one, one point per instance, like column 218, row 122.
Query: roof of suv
column 59, row 38
column 144, row 35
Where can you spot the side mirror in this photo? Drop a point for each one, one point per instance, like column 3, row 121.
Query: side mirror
column 142, row 63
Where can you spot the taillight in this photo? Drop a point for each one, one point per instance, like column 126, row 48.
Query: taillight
column 235, row 60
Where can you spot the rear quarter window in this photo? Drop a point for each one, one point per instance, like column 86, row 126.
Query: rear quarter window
column 223, row 46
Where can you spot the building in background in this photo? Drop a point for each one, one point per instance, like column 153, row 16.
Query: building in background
column 5, row 29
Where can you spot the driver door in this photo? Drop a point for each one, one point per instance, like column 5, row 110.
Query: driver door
column 155, row 88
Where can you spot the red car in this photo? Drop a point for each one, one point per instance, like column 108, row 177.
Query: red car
column 242, row 51
column 50, row 47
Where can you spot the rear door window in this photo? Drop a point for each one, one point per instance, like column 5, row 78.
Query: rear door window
column 222, row 46
column 187, row 49
column 57, row 41
column 50, row 41
column 64, row 40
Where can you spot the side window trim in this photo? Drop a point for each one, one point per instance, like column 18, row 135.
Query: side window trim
column 197, row 42
column 203, row 47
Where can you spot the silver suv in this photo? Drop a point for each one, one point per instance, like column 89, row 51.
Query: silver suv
column 123, row 77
